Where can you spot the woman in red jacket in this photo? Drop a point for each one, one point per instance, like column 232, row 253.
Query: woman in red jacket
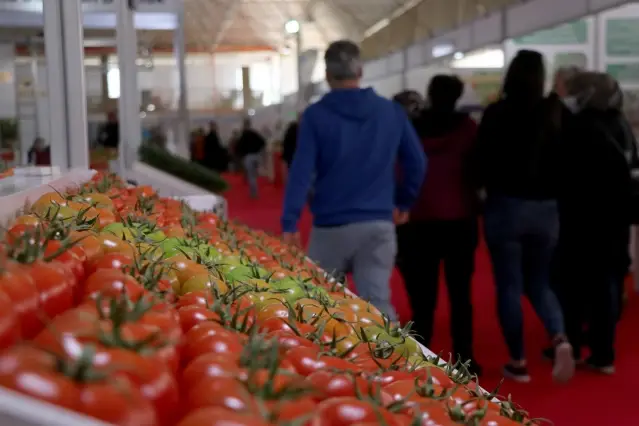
column 443, row 222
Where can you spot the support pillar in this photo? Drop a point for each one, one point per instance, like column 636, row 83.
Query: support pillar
column 184, row 119
column 129, row 102
column 298, row 63
column 66, row 84
column 247, row 96
column 104, row 81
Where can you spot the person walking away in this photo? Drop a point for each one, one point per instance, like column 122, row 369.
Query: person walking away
column 289, row 144
column 350, row 142
column 249, row 149
column 216, row 157
column 40, row 153
column 197, row 146
column 595, row 204
column 443, row 222
column 109, row 136
column 517, row 165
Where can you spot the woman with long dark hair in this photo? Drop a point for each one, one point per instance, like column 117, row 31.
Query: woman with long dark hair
column 517, row 164
column 442, row 228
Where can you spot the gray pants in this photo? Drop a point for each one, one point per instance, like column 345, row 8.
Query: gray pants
column 366, row 249
column 251, row 168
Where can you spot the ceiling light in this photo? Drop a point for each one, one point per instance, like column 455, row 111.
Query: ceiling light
column 292, row 26
column 458, row 55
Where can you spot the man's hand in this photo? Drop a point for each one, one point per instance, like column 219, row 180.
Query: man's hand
column 400, row 217
column 292, row 238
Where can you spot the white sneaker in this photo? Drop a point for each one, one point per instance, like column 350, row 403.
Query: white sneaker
column 564, row 365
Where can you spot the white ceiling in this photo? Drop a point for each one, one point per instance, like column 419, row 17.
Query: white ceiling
column 214, row 23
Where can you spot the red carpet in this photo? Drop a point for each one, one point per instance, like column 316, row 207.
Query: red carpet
column 589, row 400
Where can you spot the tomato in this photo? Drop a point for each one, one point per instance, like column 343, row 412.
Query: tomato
column 190, row 316
column 215, row 416
column 38, row 374
column 16, row 232
column 55, row 284
column 290, row 412
column 210, row 338
column 209, row 365
column 186, row 268
column 112, row 244
column 223, row 392
column 305, row 360
column 200, row 298
column 155, row 382
column 89, row 242
column 54, row 250
column 28, row 219
column 96, row 199
column 345, row 411
column 287, row 340
column 330, row 385
column 112, row 283
column 204, row 282
column 110, row 261
column 9, row 322
column 21, row 289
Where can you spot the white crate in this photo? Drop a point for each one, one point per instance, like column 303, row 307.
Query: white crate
column 207, row 203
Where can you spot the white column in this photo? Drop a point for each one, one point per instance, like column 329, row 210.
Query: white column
column 75, row 88
column 179, row 46
column 298, row 71
column 129, row 102
column 56, row 83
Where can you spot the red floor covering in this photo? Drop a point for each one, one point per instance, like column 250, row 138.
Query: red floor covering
column 589, row 400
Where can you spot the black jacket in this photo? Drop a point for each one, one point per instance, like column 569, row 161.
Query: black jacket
column 250, row 142
column 517, row 150
column 110, row 135
column 216, row 157
column 289, row 144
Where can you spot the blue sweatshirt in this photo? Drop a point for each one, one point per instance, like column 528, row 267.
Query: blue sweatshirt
column 349, row 145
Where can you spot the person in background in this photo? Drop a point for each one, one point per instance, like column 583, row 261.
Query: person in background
column 443, row 222
column 249, row 149
column 40, row 153
column 197, row 146
column 216, row 157
column 349, row 143
column 595, row 202
column 109, row 136
column 289, row 144
column 412, row 102
column 517, row 165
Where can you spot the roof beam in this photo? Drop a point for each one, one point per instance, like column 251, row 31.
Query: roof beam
column 232, row 8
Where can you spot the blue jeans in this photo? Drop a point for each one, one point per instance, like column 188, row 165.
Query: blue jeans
column 521, row 237
column 251, row 167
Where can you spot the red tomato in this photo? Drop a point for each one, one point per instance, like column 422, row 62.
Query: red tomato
column 288, row 412
column 288, row 340
column 112, row 283
column 210, row 337
column 208, row 366
column 114, row 400
column 190, row 316
column 330, row 385
column 200, row 298
column 20, row 288
column 306, row 361
column 346, row 411
column 215, row 416
column 223, row 392
column 9, row 322
column 110, row 261
column 55, row 283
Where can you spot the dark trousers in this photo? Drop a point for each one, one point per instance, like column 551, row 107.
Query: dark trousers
column 422, row 247
column 522, row 236
column 590, row 290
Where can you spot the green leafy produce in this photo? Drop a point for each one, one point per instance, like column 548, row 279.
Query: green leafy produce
column 182, row 168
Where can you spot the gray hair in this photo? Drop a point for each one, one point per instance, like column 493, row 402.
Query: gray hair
column 567, row 73
column 595, row 90
column 343, row 61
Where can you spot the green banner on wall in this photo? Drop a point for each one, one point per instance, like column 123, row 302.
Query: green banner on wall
column 571, row 33
column 624, row 73
column 622, row 37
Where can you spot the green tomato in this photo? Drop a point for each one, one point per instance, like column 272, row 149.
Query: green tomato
column 122, row 232
column 292, row 289
column 402, row 344
column 155, row 236
column 170, row 246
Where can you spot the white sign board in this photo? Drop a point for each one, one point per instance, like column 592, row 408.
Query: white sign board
column 93, row 5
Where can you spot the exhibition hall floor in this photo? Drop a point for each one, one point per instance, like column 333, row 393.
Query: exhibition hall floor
column 589, row 400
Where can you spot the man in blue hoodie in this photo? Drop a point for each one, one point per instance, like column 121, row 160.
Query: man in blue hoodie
column 349, row 146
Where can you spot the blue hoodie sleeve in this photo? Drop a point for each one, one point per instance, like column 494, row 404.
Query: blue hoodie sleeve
column 412, row 161
column 300, row 175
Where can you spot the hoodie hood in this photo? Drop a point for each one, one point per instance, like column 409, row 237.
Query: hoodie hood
column 354, row 104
